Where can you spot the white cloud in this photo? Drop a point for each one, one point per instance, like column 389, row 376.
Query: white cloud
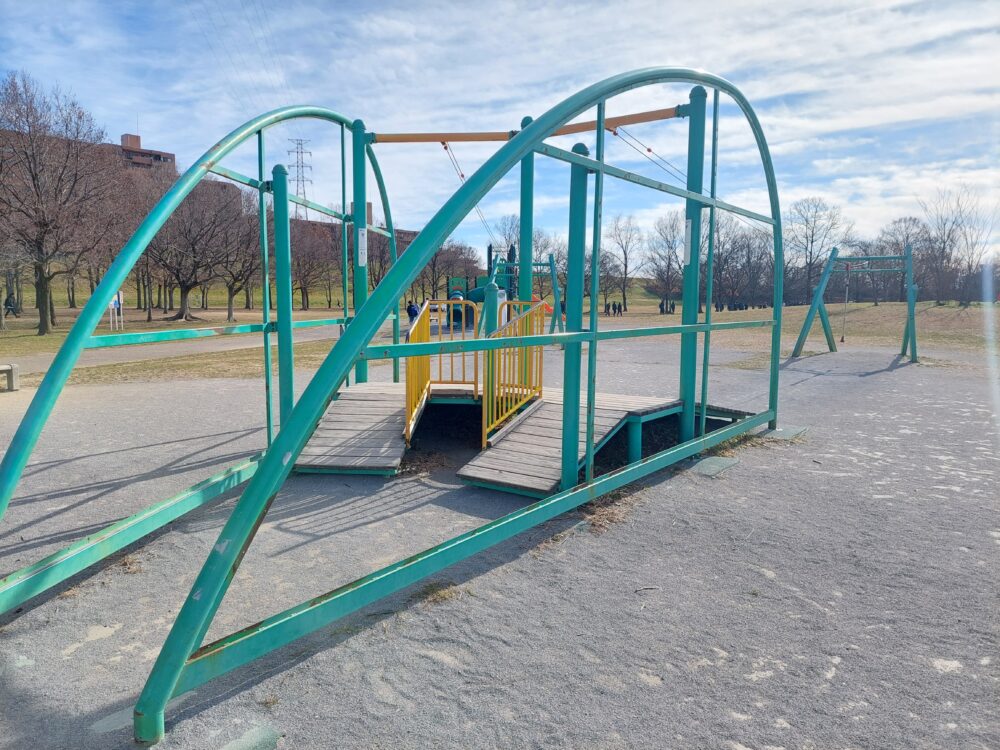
column 836, row 81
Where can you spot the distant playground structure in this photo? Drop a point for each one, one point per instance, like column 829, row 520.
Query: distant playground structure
column 861, row 264
column 481, row 346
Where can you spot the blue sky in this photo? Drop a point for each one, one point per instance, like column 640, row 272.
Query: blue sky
column 872, row 105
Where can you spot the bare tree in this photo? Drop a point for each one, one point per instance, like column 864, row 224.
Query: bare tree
column 192, row 244
column 974, row 241
column 312, row 254
column 610, row 270
column 663, row 246
column 812, row 228
column 56, row 175
column 240, row 262
column 894, row 238
column 509, row 229
column 543, row 245
column 626, row 244
column 945, row 217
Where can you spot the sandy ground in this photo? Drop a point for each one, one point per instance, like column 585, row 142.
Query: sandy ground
column 838, row 591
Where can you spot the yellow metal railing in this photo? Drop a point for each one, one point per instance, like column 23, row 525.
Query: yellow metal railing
column 513, row 376
column 440, row 320
column 418, row 371
column 454, row 320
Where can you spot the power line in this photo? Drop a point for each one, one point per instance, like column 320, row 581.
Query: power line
column 300, row 171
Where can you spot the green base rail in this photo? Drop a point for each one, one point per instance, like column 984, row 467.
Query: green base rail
column 18, row 587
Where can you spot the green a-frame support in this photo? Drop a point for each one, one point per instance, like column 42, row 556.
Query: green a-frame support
column 854, row 264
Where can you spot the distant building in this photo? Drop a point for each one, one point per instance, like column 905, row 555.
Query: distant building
column 137, row 156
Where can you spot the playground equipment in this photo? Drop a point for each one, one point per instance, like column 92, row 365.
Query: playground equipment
column 857, row 264
column 25, row 583
column 446, row 359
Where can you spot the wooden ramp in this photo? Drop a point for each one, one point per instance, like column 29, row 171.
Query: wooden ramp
column 525, row 455
column 361, row 432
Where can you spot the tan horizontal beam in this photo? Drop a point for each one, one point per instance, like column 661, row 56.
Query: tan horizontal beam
column 499, row 135
column 614, row 122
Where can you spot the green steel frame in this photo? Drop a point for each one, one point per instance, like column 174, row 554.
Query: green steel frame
column 817, row 306
column 31, row 580
column 184, row 662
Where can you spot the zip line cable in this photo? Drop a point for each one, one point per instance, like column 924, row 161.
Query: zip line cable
column 664, row 164
column 680, row 176
column 461, row 176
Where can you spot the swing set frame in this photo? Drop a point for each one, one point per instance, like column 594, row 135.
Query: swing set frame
column 855, row 264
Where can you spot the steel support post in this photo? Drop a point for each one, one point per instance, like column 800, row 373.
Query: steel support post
column 692, row 244
column 491, row 308
column 709, row 265
column 393, row 254
column 634, row 436
column 574, row 320
column 491, row 311
column 526, row 253
column 265, row 277
column 595, row 252
column 283, row 284
column 817, row 306
column 360, row 217
column 557, row 320
column 910, row 332
column 344, row 260
column 824, row 319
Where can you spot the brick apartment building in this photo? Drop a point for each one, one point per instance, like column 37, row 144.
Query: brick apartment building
column 144, row 158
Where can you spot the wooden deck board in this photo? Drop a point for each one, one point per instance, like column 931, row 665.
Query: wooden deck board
column 362, row 430
column 527, row 456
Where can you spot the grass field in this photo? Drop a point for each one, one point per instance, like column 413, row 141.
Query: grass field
column 948, row 326
column 238, row 363
column 939, row 327
column 21, row 337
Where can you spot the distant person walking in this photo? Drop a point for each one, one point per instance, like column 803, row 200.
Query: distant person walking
column 412, row 311
column 607, row 309
column 10, row 306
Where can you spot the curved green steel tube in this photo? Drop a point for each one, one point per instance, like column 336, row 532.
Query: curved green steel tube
column 236, row 535
column 21, row 446
column 377, row 171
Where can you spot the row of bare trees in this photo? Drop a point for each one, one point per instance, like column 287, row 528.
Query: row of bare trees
column 950, row 243
column 68, row 202
column 58, row 189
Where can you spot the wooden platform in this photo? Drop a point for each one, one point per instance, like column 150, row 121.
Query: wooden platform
column 526, row 455
column 361, row 432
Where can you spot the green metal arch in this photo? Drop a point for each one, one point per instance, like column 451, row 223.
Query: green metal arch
column 38, row 412
column 212, row 581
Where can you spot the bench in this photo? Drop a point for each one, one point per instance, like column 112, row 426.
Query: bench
column 11, row 372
